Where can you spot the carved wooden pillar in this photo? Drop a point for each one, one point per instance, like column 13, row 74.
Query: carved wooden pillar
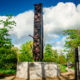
column 77, row 63
column 79, row 60
column 38, row 33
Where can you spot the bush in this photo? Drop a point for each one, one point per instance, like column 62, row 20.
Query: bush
column 7, row 71
column 25, row 57
column 50, row 55
column 62, row 67
column 62, row 59
column 8, row 58
column 26, row 53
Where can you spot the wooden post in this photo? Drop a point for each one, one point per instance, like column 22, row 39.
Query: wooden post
column 79, row 60
column 38, row 33
column 76, row 64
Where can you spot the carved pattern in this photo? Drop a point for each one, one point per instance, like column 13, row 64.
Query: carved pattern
column 38, row 33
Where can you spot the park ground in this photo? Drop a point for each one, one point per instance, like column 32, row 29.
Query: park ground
column 63, row 76
column 11, row 74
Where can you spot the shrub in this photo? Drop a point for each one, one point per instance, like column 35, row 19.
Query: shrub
column 8, row 58
column 26, row 52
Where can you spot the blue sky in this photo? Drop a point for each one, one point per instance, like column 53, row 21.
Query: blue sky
column 58, row 15
column 18, row 6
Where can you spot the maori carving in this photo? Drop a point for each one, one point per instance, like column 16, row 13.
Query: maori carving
column 38, row 33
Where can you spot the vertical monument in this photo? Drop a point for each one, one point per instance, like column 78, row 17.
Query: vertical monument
column 79, row 60
column 77, row 63
column 37, row 70
column 38, row 33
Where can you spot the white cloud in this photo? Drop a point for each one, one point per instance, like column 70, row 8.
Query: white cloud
column 56, row 19
column 78, row 7
column 61, row 17
column 59, row 45
column 24, row 24
column 18, row 45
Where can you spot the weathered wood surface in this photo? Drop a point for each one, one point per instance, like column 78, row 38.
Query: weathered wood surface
column 79, row 60
column 38, row 33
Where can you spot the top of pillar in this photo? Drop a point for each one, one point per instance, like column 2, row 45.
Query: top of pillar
column 38, row 4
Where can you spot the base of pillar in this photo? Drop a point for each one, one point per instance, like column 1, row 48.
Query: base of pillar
column 37, row 70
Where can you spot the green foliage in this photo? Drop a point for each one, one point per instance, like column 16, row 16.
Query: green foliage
column 7, row 71
column 8, row 22
column 73, row 68
column 26, row 52
column 73, row 39
column 5, row 41
column 50, row 55
column 62, row 67
column 62, row 58
column 55, row 56
column 8, row 57
column 71, row 55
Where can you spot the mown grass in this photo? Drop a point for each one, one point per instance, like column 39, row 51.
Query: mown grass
column 7, row 71
column 73, row 67
column 63, row 67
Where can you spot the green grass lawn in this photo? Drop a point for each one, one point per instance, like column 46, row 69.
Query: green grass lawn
column 73, row 67
column 63, row 67
column 7, row 71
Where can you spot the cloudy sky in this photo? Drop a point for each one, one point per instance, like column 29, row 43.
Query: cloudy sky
column 58, row 15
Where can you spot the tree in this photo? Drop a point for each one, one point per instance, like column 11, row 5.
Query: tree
column 55, row 56
column 4, row 32
column 16, row 51
column 70, row 55
column 26, row 52
column 73, row 40
column 48, row 54
column 8, row 58
column 7, row 55
column 62, row 58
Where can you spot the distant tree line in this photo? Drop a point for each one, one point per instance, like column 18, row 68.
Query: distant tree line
column 50, row 55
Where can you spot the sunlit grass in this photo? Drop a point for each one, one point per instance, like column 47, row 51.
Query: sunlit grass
column 7, row 71
column 62, row 67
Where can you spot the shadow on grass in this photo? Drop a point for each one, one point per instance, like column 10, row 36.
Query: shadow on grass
column 3, row 75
